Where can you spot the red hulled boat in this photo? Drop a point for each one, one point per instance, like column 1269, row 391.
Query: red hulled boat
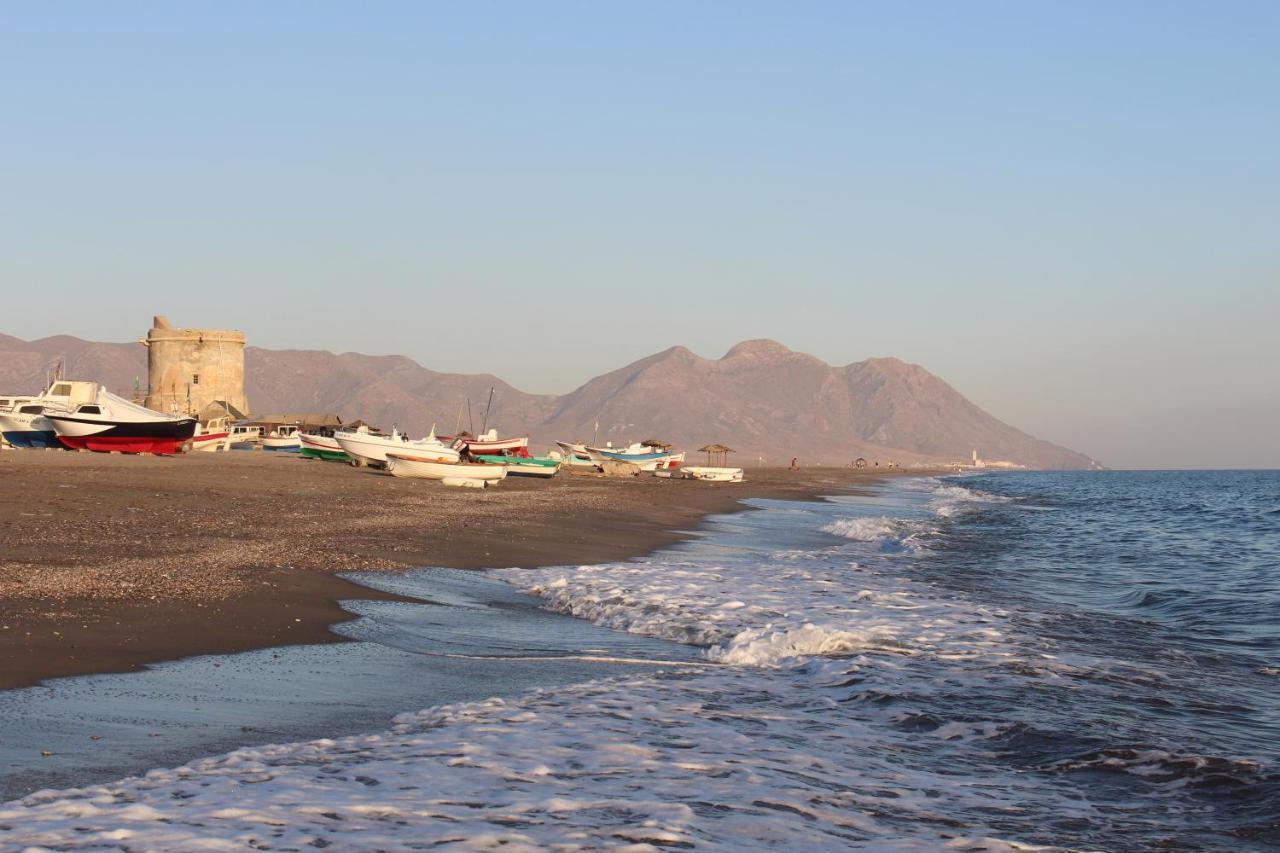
column 110, row 423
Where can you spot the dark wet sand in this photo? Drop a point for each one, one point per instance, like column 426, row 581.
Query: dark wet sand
column 108, row 563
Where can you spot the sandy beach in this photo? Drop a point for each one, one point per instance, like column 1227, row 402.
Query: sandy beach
column 111, row 562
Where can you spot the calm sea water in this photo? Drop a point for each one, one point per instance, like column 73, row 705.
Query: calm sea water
column 1069, row 660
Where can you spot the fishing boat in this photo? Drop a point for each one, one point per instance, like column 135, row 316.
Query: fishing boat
column 318, row 445
column 24, row 422
column 284, row 438
column 365, row 447
column 489, row 444
column 213, row 436
column 712, row 474
column 524, row 466
column 648, row 456
column 113, row 424
column 575, row 454
column 715, row 471
column 409, row 464
column 246, row 435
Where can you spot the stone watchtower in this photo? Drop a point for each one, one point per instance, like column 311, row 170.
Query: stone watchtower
column 194, row 371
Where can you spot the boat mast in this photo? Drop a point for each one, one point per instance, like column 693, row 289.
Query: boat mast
column 485, row 425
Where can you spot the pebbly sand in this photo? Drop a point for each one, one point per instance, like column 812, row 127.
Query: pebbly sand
column 111, row 562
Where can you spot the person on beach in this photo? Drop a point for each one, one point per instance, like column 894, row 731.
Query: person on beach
column 795, row 463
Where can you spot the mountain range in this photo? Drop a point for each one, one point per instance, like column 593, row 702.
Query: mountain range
column 761, row 398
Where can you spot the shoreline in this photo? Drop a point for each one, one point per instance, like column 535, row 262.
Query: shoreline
column 116, row 562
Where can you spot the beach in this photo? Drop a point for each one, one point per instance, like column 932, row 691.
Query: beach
column 112, row 562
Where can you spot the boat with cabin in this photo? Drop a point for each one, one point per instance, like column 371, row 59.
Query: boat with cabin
column 23, row 424
column 109, row 423
column 212, row 436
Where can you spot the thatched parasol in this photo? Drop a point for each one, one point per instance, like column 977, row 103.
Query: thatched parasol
column 653, row 442
column 717, row 450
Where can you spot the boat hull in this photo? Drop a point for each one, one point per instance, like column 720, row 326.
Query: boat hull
column 211, row 442
column 712, row 474
column 370, row 448
column 164, row 437
column 28, row 429
column 531, row 466
column 421, row 468
column 325, row 454
column 282, row 445
column 479, row 447
column 645, row 461
column 33, row 438
column 323, row 447
column 124, row 444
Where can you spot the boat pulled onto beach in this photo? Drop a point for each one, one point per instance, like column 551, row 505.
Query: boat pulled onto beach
column 408, row 464
column 108, row 423
column 284, row 438
column 523, row 466
column 23, row 424
column 489, row 444
column 322, row 445
column 366, row 447
column 646, row 455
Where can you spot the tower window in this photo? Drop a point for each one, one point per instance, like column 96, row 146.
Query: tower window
column 195, row 379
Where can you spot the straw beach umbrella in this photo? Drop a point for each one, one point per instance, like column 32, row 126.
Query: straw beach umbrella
column 718, row 450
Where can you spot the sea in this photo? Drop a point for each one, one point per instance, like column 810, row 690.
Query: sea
column 994, row 661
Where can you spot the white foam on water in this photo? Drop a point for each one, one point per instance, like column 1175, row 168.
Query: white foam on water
column 636, row 764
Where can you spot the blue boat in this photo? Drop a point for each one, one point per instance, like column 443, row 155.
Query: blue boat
column 647, row 455
column 25, row 425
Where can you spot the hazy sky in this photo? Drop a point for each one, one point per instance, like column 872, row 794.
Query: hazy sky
column 1069, row 211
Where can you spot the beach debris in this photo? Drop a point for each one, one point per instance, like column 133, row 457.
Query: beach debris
column 614, row 468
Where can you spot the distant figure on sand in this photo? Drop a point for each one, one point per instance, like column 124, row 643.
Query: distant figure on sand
column 795, row 463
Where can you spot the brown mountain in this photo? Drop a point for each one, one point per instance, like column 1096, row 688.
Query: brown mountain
column 761, row 398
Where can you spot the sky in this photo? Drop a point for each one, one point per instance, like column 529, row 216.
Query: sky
column 1069, row 211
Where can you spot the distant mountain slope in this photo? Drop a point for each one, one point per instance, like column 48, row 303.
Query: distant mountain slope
column 761, row 398
column 384, row 390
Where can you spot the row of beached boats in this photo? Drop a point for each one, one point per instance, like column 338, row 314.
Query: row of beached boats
column 86, row 416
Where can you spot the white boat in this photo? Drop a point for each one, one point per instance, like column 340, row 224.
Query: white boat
column 647, row 457
column 24, row 422
column 712, row 474
column 283, row 438
column 575, row 454
column 409, row 464
column 246, row 434
column 317, row 445
column 113, row 424
column 213, row 436
column 490, row 444
column 366, row 447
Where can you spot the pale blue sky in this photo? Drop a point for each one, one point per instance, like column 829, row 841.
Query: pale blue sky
column 1067, row 210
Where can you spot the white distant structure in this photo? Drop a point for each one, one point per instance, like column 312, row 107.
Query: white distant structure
column 979, row 462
